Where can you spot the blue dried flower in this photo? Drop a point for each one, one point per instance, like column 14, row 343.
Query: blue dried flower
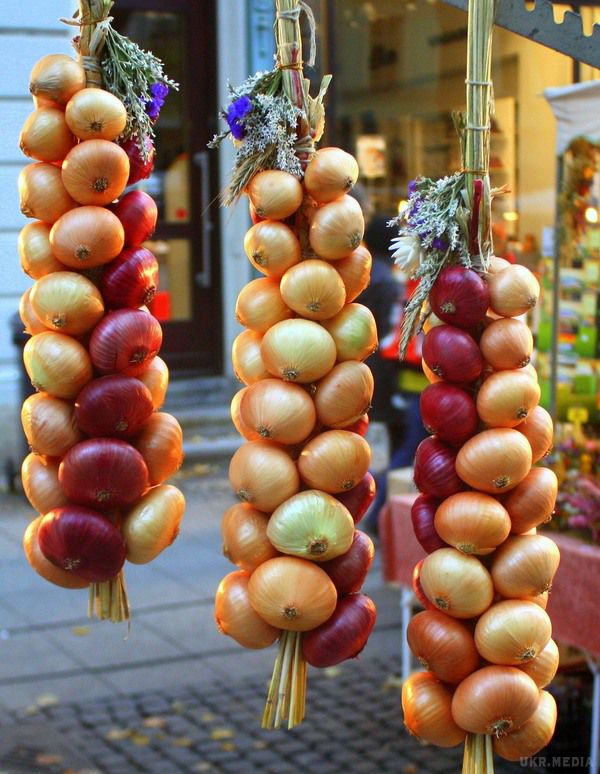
column 159, row 93
column 236, row 112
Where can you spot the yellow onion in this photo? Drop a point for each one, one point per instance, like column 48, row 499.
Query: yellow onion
column 354, row 332
column 355, row 271
column 497, row 264
column 245, row 541
column 337, row 228
column 259, row 305
column 494, row 461
column 234, row 410
column 543, row 667
column 275, row 194
column 156, row 379
column 68, row 302
column 291, row 593
column 494, row 700
column 45, row 135
column 95, row 172
column 235, row 616
column 311, row 525
column 506, row 398
column 298, row 351
column 344, row 394
column 263, row 475
column 431, row 377
column 432, row 321
column 472, row 522
column 330, row 174
column 513, row 291
column 42, row 193
column 57, row 364
column 532, row 502
column 35, row 252
column 49, row 424
column 538, row 428
column 334, row 461
column 506, row 344
column 443, row 645
column 512, row 632
column 247, row 361
column 524, row 565
column 456, row 583
column 313, row 289
column 86, row 237
column 161, row 445
column 56, row 77
column 31, row 322
column 532, row 736
column 46, row 569
column 426, row 704
column 272, row 247
column 153, row 523
column 39, row 476
column 278, row 411
column 95, row 114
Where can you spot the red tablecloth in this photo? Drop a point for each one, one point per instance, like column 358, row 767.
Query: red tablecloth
column 574, row 605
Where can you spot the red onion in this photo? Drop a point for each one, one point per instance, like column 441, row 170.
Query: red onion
column 343, row 635
column 358, row 499
column 422, row 514
column 138, row 213
column 103, row 473
column 360, row 426
column 83, row 542
column 138, row 168
column 448, row 412
column 125, row 342
column 435, row 470
column 460, row 297
column 116, row 406
column 349, row 570
column 452, row 354
column 131, row 279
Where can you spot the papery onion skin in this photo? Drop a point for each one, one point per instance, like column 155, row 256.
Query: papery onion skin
column 45, row 135
column 334, row 461
column 494, row 700
column 349, row 570
column 513, row 291
column 278, row 411
column 125, row 342
column 449, row 413
column 67, row 302
column 506, row 398
column 311, row 525
column 275, row 194
column 272, row 247
column 259, row 305
column 31, row 322
column 83, row 542
column 235, row 617
column 313, row 289
column 337, row 228
column 456, row 583
column 103, row 473
column 343, row 635
column 494, row 461
column 512, row 632
column 472, row 522
column 86, row 237
column 95, row 172
column 291, row 593
column 95, row 114
column 246, row 359
column 156, row 379
column 245, row 541
column 131, row 279
column 298, row 351
column 153, row 523
column 344, row 394
column 115, row 406
column 43, row 566
column 358, row 499
column 56, row 77
column 138, row 214
column 57, row 364
column 355, row 271
column 422, row 515
column 426, row 704
column 543, row 667
column 524, row 565
column 160, row 443
column 533, row 735
column 506, row 344
column 452, row 354
column 532, row 502
column 443, row 645
column 330, row 174
column 538, row 428
column 35, row 251
column 435, row 469
column 459, row 297
column 354, row 332
column 39, row 476
column 263, row 475
column 49, row 424
column 42, row 194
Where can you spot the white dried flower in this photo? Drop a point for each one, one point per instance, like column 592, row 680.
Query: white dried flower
column 407, row 252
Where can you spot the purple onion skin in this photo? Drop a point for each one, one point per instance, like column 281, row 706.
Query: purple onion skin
column 343, row 635
column 83, row 542
column 130, row 280
column 435, row 469
column 348, row 571
column 113, row 406
column 422, row 515
column 452, row 354
column 449, row 412
column 125, row 341
column 358, row 499
column 460, row 297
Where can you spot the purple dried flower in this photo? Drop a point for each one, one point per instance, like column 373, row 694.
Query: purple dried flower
column 236, row 112
column 159, row 93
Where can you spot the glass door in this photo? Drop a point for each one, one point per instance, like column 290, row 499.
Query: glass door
column 183, row 182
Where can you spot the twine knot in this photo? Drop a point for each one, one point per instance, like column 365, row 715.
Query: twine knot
column 293, row 15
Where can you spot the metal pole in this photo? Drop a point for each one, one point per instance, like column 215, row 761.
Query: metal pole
column 556, row 294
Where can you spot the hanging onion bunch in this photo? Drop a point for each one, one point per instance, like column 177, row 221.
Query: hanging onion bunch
column 100, row 452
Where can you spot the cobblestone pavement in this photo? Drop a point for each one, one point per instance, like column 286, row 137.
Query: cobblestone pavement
column 353, row 726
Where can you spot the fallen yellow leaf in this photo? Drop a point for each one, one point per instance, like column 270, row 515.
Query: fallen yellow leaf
column 141, row 740
column 114, row 734
column 221, row 733
column 48, row 759
column 154, row 721
column 81, row 631
column 182, row 741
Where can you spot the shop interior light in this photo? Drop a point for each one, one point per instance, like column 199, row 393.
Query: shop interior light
column 591, row 214
column 402, row 205
column 511, row 216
